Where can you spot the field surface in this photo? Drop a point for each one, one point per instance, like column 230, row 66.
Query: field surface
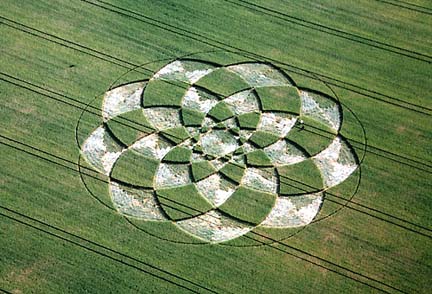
column 59, row 232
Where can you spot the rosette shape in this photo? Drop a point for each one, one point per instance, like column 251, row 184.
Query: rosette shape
column 219, row 150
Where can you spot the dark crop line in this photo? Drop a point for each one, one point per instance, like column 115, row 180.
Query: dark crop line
column 380, row 218
column 88, row 248
column 284, row 177
column 379, row 149
column 374, row 153
column 105, row 181
column 304, row 185
column 397, row 289
column 368, row 278
column 332, row 31
column 411, row 4
column 408, row 6
column 83, row 49
column 86, row 50
column 134, row 259
column 67, row 43
column 355, row 203
column 149, row 70
column 64, row 40
column 357, row 143
column 245, row 53
column 91, row 245
column 145, row 129
column 5, row 291
column 342, row 205
column 358, row 204
column 73, row 169
column 82, row 106
column 298, row 250
column 274, row 241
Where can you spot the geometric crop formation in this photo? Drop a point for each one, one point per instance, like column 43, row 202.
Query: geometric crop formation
column 219, row 150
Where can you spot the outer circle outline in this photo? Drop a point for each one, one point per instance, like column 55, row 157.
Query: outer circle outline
column 341, row 106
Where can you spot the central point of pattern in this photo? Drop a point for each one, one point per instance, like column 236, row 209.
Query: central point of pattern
column 218, row 143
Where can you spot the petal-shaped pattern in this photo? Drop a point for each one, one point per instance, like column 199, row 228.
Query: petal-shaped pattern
column 293, row 211
column 243, row 102
column 263, row 179
column 336, row 162
column 101, row 150
column 185, row 71
column 137, row 203
column 153, row 146
column 218, row 143
column 260, row 74
column 122, row 99
column 218, row 164
column 199, row 100
column 163, row 117
column 214, row 227
column 284, row 153
column 321, row 109
column 216, row 189
column 277, row 123
column 171, row 175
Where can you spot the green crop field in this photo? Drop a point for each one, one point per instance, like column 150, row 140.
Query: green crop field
column 74, row 219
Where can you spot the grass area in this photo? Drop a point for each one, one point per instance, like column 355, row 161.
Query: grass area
column 223, row 82
column 135, row 169
column 164, row 93
column 279, row 99
column 34, row 260
column 248, row 120
column 178, row 155
column 233, row 171
column 191, row 117
column 130, row 126
column 249, row 205
column 263, row 139
column 182, row 202
column 176, row 135
column 313, row 136
column 201, row 170
column 258, row 158
column 221, row 111
column 300, row 178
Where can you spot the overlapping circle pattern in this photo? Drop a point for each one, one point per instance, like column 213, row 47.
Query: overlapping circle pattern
column 219, row 150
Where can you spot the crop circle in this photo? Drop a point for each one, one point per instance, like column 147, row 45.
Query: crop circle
column 219, row 150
